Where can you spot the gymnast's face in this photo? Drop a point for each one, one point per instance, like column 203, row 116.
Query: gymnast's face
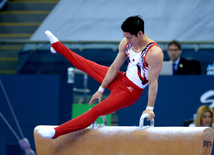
column 206, row 119
column 133, row 39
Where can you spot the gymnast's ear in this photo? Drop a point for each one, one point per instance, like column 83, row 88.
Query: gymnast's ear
column 140, row 33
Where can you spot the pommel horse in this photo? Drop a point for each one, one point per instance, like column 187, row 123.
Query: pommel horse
column 125, row 140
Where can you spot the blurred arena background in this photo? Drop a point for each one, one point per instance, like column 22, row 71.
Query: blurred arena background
column 37, row 81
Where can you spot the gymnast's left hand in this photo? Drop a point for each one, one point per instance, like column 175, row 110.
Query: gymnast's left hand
column 151, row 114
column 98, row 95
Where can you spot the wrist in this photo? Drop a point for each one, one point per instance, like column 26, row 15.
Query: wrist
column 149, row 107
column 101, row 89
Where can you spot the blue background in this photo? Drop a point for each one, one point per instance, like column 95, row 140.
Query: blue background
column 36, row 100
column 45, row 100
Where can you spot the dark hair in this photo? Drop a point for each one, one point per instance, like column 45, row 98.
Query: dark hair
column 133, row 24
column 176, row 43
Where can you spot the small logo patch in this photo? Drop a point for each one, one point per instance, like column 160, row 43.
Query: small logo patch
column 207, row 143
column 130, row 88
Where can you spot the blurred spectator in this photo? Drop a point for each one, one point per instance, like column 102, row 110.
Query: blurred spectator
column 204, row 117
column 196, row 67
column 181, row 66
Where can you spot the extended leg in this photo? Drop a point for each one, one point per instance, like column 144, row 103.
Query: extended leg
column 114, row 102
column 120, row 97
column 91, row 68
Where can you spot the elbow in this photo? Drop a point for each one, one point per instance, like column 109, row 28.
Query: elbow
column 153, row 83
column 113, row 68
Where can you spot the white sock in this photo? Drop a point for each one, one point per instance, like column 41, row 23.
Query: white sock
column 51, row 37
column 52, row 50
column 47, row 132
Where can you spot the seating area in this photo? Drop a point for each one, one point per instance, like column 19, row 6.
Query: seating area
column 19, row 20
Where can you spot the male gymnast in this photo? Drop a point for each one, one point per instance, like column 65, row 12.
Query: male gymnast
column 145, row 63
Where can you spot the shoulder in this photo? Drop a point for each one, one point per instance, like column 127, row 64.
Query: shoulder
column 183, row 60
column 156, row 50
column 154, row 54
column 122, row 45
column 186, row 65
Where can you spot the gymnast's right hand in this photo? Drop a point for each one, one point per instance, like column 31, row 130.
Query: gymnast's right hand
column 98, row 95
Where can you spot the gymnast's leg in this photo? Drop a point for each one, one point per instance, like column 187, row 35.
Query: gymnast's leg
column 118, row 99
column 94, row 70
column 91, row 68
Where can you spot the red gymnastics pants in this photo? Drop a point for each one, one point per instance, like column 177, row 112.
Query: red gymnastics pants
column 123, row 92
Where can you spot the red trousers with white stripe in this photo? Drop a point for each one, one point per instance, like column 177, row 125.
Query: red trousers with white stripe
column 123, row 92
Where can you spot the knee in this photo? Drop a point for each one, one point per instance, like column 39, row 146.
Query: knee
column 95, row 112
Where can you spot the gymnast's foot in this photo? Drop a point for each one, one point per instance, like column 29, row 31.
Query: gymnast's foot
column 52, row 39
column 47, row 132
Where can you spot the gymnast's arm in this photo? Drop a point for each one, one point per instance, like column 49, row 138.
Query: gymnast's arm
column 112, row 71
column 154, row 60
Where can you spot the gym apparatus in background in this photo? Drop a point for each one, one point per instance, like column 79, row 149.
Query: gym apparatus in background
column 23, row 143
column 125, row 140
